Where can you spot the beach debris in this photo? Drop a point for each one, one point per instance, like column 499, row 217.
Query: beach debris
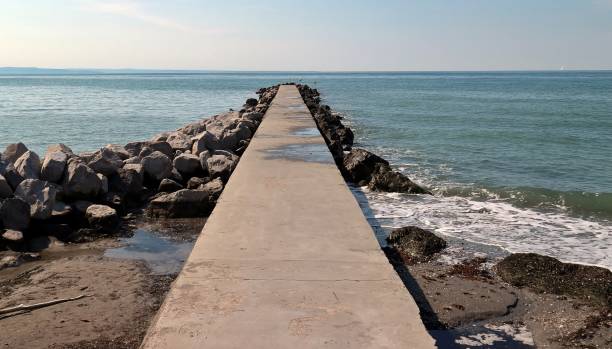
column 29, row 307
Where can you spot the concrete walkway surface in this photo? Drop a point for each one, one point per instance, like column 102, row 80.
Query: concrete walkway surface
column 287, row 258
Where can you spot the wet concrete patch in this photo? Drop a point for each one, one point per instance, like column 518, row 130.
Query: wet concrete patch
column 306, row 132
column 302, row 152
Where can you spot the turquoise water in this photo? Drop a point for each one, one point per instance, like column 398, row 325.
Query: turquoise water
column 518, row 159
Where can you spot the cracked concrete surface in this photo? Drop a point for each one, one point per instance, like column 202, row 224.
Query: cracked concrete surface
column 287, row 259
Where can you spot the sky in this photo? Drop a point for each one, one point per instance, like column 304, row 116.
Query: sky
column 321, row 35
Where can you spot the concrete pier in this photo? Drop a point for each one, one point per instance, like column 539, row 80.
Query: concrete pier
column 287, row 259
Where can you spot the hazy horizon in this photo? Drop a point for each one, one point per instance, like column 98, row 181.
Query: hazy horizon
column 275, row 35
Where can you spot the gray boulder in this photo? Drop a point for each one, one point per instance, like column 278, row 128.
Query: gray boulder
column 182, row 203
column 214, row 188
column 179, row 141
column 199, row 142
column 103, row 183
column 119, row 150
column 102, row 218
column 168, row 186
column 5, row 189
column 157, row 165
column 132, row 160
column 254, row 117
column 360, row 165
column 39, row 195
column 61, row 209
column 15, row 214
column 53, row 166
column 80, row 181
column 12, row 176
column 105, row 161
column 221, row 165
column 187, row 163
column 196, row 182
column 163, row 147
column 13, row 235
column 28, row 165
column 146, row 151
column 416, row 244
column 385, row 179
column 14, row 151
column 203, row 159
column 193, row 128
column 134, row 148
column 128, row 180
column 60, row 147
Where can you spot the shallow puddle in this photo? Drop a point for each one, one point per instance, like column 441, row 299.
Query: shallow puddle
column 162, row 254
column 306, row 132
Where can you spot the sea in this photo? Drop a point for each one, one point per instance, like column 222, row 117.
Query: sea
column 517, row 160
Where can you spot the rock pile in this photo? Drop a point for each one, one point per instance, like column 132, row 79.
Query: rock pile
column 180, row 174
column 358, row 166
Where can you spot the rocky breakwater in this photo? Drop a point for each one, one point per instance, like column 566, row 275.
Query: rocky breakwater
column 77, row 197
column 358, row 166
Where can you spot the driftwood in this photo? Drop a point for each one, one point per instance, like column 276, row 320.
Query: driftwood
column 23, row 307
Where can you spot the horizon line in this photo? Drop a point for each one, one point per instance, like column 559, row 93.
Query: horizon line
column 184, row 70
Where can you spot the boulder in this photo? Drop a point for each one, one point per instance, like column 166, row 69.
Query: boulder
column 61, row 148
column 160, row 137
column 415, row 243
column 146, row 151
column 127, row 180
column 134, row 148
column 214, row 188
column 105, row 161
column 221, row 165
column 102, row 218
column 200, row 141
column 119, row 150
column 14, row 151
column 193, row 128
column 132, row 160
column 187, row 163
column 196, row 182
column 254, row 117
column 179, row 141
column 80, row 181
column 103, row 183
column 157, row 165
column 12, row 177
column 53, row 166
column 61, row 209
column 359, row 165
column 203, row 158
column 181, row 204
column 13, row 235
column 242, row 133
column 5, row 189
column 81, row 206
column 169, row 186
column 162, row 147
column 251, row 102
column 28, row 165
column 39, row 195
column 385, row 179
column 544, row 274
column 15, row 214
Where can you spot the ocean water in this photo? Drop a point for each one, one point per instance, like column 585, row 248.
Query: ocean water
column 520, row 160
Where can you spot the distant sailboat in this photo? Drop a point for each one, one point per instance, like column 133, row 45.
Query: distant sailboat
column 562, row 68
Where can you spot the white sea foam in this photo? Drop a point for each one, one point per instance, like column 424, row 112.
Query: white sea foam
column 494, row 222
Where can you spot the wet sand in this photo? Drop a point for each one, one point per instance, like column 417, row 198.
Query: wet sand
column 122, row 295
column 466, row 305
